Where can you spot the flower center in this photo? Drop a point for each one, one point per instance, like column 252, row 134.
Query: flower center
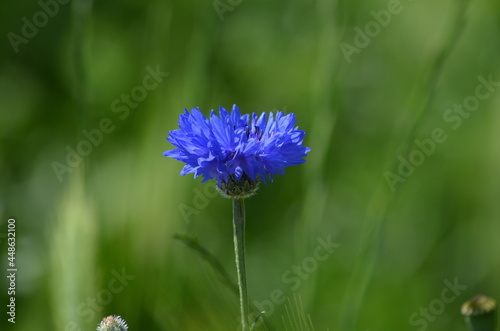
column 257, row 132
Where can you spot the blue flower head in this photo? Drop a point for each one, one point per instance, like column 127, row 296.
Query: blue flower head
column 237, row 149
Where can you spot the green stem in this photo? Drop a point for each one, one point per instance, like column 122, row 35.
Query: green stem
column 239, row 251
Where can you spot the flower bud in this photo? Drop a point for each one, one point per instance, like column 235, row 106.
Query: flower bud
column 113, row 323
column 480, row 313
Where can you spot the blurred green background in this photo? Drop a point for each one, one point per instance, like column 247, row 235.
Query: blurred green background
column 96, row 238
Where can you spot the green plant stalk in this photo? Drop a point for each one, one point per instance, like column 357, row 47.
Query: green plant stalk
column 239, row 252
column 224, row 277
column 486, row 322
column 381, row 200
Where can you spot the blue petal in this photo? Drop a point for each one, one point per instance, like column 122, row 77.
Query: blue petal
column 232, row 144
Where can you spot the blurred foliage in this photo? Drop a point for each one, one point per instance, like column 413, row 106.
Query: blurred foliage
column 118, row 209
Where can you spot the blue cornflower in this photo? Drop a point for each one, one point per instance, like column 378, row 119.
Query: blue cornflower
column 234, row 147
